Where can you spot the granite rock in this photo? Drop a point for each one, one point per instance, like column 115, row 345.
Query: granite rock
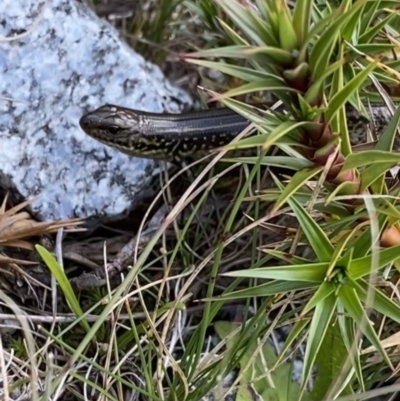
column 59, row 60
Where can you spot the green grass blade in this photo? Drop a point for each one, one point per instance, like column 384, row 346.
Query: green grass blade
column 269, row 12
column 64, row 284
column 286, row 256
column 389, row 209
column 264, row 139
column 251, row 142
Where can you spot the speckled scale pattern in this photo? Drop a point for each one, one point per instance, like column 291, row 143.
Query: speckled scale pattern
column 379, row 120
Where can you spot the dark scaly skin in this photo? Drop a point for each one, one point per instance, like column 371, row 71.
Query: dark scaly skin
column 173, row 137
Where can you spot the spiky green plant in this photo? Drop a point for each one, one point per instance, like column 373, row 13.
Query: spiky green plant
column 315, row 58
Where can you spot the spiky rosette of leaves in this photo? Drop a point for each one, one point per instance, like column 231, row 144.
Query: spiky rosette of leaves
column 316, row 59
column 303, row 58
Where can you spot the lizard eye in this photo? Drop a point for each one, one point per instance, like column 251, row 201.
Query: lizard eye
column 113, row 130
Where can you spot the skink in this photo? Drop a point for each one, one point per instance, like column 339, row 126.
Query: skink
column 177, row 136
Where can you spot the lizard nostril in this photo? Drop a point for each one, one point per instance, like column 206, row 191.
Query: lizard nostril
column 84, row 122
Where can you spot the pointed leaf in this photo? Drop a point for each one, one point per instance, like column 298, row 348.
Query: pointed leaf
column 324, row 291
column 362, row 266
column 340, row 98
column 244, row 73
column 348, row 296
column 256, row 141
column 337, row 258
column 248, row 23
column 234, row 36
column 368, row 157
column 264, row 290
column 250, row 112
column 370, row 16
column 330, row 360
column 319, row 26
column 277, row 55
column 267, row 85
column 350, row 28
column 302, row 18
column 283, row 129
column 370, row 49
column 319, row 325
column 296, row 182
column 380, row 302
column 362, row 245
column 322, row 51
column 387, row 208
column 347, row 324
column 315, row 234
column 315, row 87
column 285, row 256
column 390, row 134
column 373, row 173
column 234, row 51
column 305, row 272
column 287, row 34
column 276, row 161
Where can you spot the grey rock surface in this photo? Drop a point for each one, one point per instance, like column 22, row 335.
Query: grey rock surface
column 58, row 60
